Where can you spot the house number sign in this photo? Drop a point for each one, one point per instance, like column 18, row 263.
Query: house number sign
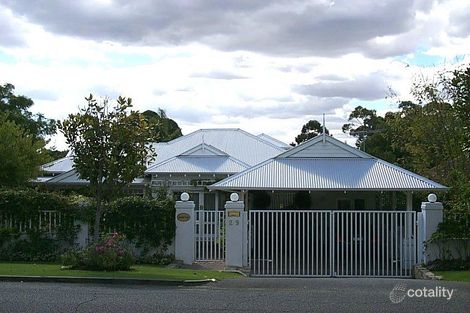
column 233, row 213
column 183, row 217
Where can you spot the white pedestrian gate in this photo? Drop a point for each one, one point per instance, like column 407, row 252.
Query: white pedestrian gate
column 210, row 235
column 332, row 243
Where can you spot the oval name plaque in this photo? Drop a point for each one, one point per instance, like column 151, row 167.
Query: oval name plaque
column 183, row 217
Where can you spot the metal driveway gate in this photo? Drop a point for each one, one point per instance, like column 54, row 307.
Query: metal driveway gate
column 210, row 235
column 332, row 243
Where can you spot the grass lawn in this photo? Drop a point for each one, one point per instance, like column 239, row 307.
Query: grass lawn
column 454, row 275
column 138, row 271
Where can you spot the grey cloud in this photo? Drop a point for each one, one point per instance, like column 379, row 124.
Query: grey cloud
column 10, row 35
column 333, row 77
column 460, row 23
column 369, row 87
column 284, row 27
column 189, row 114
column 313, row 105
column 218, row 75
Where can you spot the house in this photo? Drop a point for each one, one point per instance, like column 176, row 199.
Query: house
column 322, row 208
column 187, row 164
column 322, row 173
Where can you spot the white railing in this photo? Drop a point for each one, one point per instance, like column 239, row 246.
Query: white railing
column 47, row 221
column 332, row 243
column 210, row 235
column 374, row 243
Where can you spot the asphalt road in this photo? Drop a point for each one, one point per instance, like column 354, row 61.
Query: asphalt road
column 237, row 295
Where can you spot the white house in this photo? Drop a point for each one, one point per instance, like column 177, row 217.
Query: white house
column 322, row 208
column 211, row 163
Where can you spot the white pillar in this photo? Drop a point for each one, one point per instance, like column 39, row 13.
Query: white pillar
column 184, row 236
column 432, row 215
column 235, row 231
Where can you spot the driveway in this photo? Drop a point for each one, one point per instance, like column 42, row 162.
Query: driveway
column 239, row 295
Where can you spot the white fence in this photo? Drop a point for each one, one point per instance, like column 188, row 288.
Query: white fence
column 332, row 243
column 210, row 235
column 47, row 221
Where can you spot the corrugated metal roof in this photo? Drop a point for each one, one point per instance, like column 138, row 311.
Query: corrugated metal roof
column 199, row 164
column 59, row 166
column 327, row 174
column 274, row 141
column 71, row 178
column 236, row 143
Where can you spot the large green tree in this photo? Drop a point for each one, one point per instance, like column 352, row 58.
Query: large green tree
column 111, row 148
column 430, row 136
column 20, row 153
column 162, row 127
column 309, row 130
column 18, row 109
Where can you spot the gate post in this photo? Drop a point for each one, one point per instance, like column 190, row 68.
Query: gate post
column 431, row 217
column 184, row 235
column 235, row 231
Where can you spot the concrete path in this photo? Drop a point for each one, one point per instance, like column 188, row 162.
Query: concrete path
column 238, row 295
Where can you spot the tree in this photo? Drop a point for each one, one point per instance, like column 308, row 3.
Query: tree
column 310, row 130
column 111, row 148
column 18, row 107
column 163, row 128
column 20, row 153
column 372, row 132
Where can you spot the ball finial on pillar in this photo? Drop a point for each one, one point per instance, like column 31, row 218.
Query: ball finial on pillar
column 184, row 196
column 234, row 197
column 432, row 198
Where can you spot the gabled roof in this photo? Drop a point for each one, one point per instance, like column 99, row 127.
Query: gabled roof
column 199, row 164
column 324, row 147
column 203, row 149
column 326, row 164
column 71, row 178
column 236, row 143
column 59, row 166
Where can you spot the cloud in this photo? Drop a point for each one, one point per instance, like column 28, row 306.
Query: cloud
column 369, row 87
column 218, row 75
column 11, row 30
column 460, row 23
column 288, row 28
column 40, row 94
column 279, row 110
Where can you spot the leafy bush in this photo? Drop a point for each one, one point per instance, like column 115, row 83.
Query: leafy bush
column 156, row 259
column 35, row 247
column 452, row 239
column 449, row 265
column 109, row 254
column 147, row 223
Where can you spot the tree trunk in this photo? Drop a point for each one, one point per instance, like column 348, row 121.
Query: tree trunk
column 98, row 213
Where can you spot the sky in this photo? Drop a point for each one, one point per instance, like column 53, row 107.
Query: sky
column 263, row 66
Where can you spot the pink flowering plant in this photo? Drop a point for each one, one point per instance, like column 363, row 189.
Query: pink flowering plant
column 109, row 254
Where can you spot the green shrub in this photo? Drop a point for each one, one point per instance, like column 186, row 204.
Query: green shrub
column 109, row 254
column 147, row 223
column 156, row 259
column 35, row 247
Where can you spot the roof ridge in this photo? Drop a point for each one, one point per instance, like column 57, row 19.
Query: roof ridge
column 260, row 139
